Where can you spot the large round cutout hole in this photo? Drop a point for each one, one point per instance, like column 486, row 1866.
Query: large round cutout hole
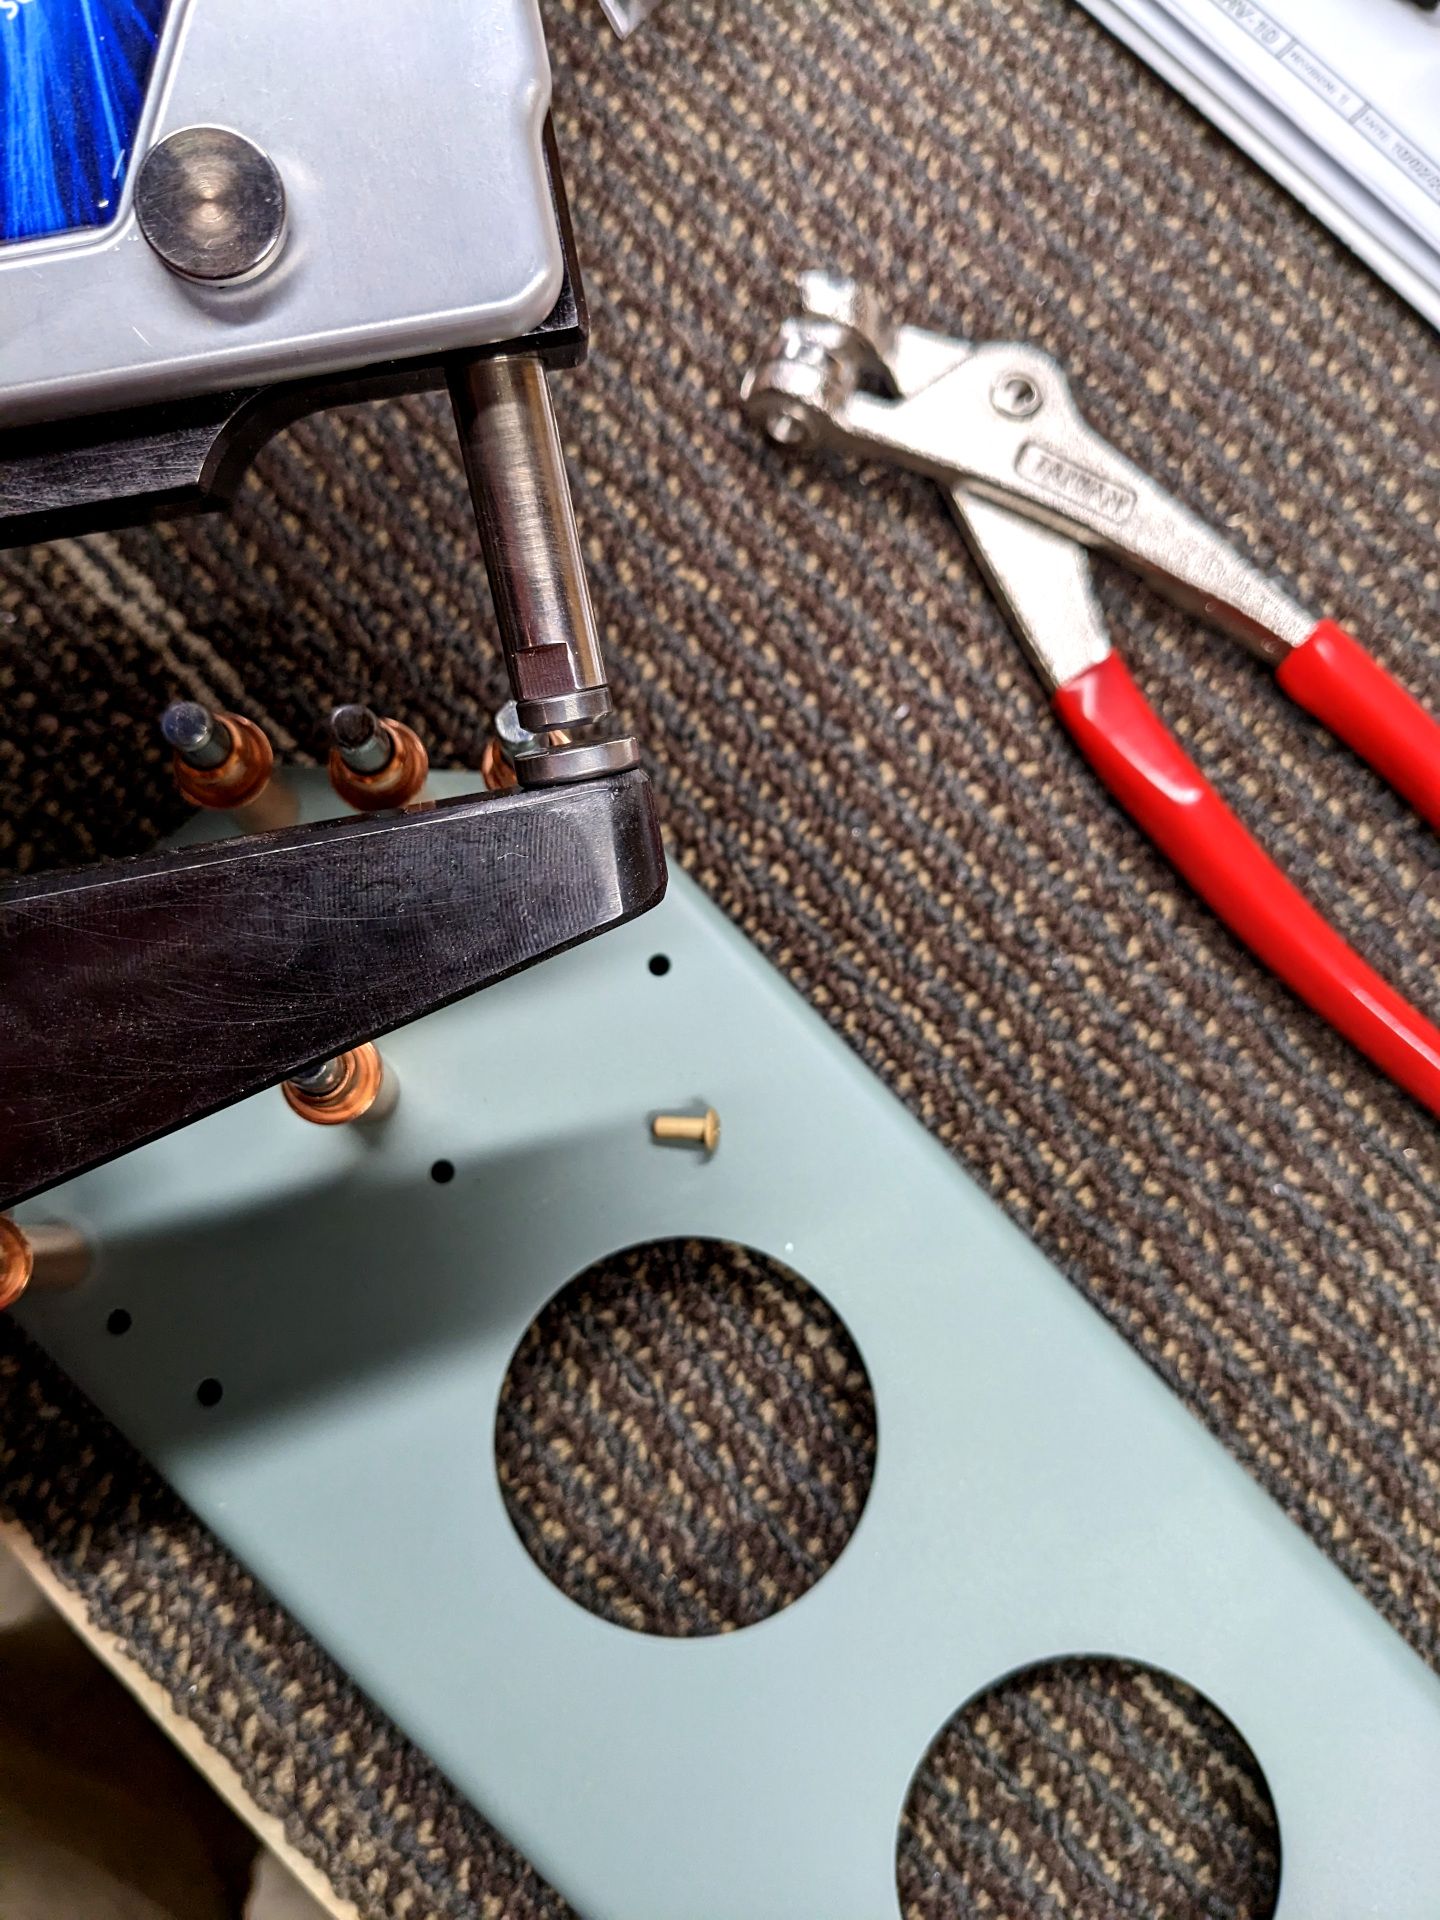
column 686, row 1438
column 1096, row 1789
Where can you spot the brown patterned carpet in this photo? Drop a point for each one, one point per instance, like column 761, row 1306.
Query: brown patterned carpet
column 746, row 1445
column 1092, row 1788
column 854, row 761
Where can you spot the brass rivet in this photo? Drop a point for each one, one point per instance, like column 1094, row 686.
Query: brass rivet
column 688, row 1129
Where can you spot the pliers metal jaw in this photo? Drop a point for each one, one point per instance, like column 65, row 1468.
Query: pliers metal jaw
column 1034, row 487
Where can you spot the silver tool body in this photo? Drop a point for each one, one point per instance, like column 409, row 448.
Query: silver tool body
column 1029, row 480
column 418, row 214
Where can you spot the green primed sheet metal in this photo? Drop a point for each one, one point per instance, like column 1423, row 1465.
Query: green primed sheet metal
column 1038, row 1492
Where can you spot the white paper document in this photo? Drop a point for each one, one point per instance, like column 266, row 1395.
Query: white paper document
column 1340, row 99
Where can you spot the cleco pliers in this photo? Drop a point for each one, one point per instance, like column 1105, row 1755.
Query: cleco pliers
column 1034, row 488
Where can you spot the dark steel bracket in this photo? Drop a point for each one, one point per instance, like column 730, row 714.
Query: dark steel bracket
column 311, row 940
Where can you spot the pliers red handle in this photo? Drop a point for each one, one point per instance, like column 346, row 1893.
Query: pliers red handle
column 1033, row 486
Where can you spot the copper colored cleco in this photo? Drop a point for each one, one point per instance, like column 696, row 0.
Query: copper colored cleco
column 495, row 769
column 364, row 1089
column 48, row 1257
column 397, row 782
column 16, row 1263
column 242, row 776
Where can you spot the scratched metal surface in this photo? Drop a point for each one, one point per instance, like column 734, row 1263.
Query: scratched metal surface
column 312, row 944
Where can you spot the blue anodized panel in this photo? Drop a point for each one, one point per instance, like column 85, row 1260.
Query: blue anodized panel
column 73, row 75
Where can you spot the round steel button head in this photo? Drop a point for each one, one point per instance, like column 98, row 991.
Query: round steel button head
column 360, row 739
column 211, row 204
column 193, row 731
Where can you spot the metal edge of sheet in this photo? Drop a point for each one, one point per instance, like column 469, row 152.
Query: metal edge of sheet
column 1274, row 142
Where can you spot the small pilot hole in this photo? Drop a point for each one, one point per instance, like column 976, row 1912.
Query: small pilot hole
column 659, row 964
column 119, row 1322
column 443, row 1172
column 209, row 1393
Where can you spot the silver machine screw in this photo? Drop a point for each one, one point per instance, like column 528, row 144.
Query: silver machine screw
column 211, row 204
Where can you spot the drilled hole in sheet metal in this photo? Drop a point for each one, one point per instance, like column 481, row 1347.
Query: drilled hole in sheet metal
column 1093, row 1788
column 686, row 1438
